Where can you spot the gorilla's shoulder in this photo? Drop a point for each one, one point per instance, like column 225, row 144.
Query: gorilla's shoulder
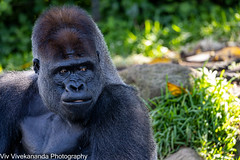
column 16, row 79
column 120, row 90
column 121, row 95
column 14, row 86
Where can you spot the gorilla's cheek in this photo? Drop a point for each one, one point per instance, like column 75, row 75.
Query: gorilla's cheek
column 50, row 93
column 95, row 89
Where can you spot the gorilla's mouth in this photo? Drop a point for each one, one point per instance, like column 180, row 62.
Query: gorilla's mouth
column 77, row 101
column 80, row 100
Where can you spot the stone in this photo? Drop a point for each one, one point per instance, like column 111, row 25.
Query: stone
column 151, row 79
column 184, row 154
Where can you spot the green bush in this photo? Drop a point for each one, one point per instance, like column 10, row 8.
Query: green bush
column 205, row 118
column 129, row 26
column 150, row 28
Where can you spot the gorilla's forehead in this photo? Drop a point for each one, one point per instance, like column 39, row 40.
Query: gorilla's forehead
column 65, row 28
column 71, row 36
column 68, row 42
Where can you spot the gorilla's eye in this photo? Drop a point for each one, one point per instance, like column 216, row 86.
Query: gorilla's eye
column 63, row 71
column 83, row 68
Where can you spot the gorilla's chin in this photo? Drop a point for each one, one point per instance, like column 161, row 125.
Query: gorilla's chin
column 78, row 110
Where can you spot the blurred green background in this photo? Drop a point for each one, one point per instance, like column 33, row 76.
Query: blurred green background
column 145, row 27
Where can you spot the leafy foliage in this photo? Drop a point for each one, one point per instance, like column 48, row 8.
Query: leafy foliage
column 167, row 25
column 130, row 26
column 205, row 118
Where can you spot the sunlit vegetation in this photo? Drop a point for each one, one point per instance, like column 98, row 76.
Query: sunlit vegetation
column 205, row 118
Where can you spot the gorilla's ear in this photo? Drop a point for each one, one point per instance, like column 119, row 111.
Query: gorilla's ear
column 36, row 65
column 98, row 54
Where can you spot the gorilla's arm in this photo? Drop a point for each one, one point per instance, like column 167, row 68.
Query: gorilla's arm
column 121, row 129
column 15, row 91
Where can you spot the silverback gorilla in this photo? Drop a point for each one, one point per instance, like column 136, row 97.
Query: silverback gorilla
column 74, row 103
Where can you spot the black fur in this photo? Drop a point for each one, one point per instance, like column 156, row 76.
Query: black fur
column 118, row 128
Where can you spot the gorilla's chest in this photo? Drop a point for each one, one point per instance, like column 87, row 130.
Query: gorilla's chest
column 49, row 133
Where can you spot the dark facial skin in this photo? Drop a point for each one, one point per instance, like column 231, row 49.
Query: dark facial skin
column 71, row 80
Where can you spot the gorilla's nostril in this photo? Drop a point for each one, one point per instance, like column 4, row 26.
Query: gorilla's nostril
column 80, row 87
column 73, row 88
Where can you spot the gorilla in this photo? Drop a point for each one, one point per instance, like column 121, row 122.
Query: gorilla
column 73, row 102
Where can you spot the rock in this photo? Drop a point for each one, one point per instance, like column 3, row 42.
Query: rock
column 151, row 79
column 209, row 44
column 204, row 45
column 199, row 57
column 184, row 154
column 237, row 147
column 135, row 59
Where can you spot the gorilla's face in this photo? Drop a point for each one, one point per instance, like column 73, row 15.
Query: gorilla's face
column 70, row 80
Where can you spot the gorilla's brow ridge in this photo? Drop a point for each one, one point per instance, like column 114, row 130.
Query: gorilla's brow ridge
column 61, row 65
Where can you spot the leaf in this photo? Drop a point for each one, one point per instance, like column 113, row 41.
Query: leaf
column 227, row 52
column 176, row 28
column 175, row 90
column 26, row 65
column 1, row 69
column 160, row 60
column 147, row 26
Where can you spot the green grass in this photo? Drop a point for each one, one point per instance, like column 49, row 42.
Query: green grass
column 205, row 118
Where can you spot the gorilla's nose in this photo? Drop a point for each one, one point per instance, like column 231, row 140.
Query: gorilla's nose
column 75, row 87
